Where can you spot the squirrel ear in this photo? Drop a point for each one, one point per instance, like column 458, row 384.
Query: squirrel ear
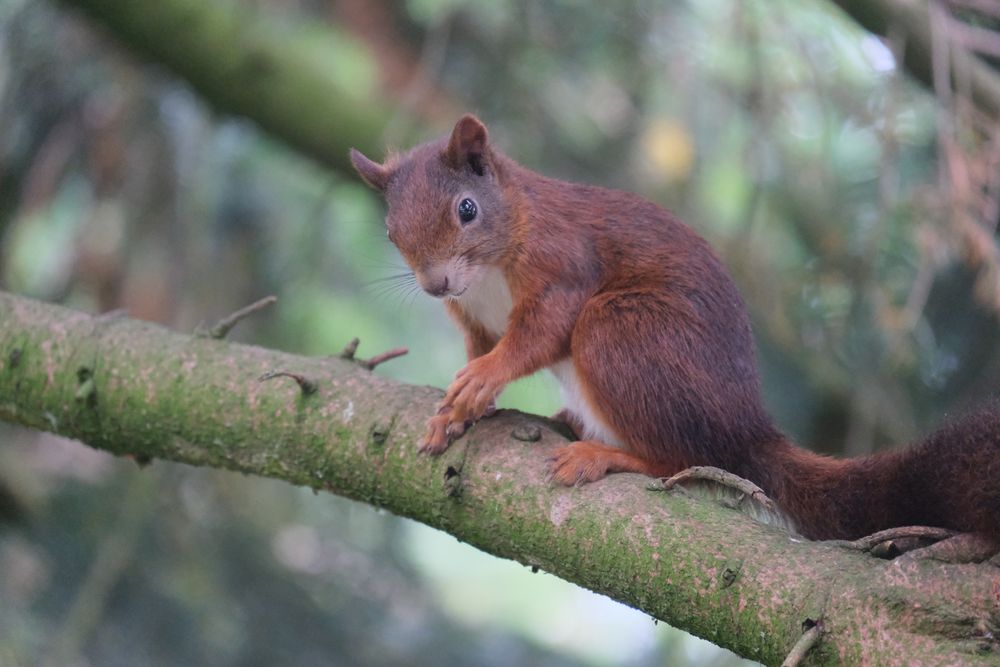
column 372, row 172
column 467, row 144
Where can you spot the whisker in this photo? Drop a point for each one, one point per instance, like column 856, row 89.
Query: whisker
column 396, row 287
column 412, row 299
column 408, row 276
column 392, row 290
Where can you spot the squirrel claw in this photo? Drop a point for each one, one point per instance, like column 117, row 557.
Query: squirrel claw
column 437, row 438
column 446, row 425
column 457, row 427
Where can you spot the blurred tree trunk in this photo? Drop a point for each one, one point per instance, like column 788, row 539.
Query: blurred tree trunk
column 254, row 66
column 408, row 70
column 133, row 388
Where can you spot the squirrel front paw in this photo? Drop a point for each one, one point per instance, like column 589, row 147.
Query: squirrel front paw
column 578, row 463
column 470, row 397
column 472, row 394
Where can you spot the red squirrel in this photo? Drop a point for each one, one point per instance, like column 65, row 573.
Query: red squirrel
column 646, row 333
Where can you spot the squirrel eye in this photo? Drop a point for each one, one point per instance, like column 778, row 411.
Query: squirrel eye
column 467, row 211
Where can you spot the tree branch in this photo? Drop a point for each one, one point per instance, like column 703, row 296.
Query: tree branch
column 913, row 18
column 691, row 563
column 285, row 79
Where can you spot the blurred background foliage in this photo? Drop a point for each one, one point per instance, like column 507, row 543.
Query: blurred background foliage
column 856, row 208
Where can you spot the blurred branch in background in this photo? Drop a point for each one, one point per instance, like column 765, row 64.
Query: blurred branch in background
column 943, row 51
column 915, row 20
column 969, row 164
column 410, row 72
column 114, row 556
column 958, row 218
column 252, row 64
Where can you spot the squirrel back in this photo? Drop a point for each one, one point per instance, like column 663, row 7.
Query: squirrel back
column 648, row 337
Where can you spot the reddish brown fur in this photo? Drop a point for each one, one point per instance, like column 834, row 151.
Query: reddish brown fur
column 658, row 337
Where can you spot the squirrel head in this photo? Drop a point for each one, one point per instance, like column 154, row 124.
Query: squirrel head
column 448, row 212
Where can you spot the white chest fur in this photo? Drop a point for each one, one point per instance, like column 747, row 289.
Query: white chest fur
column 594, row 428
column 488, row 300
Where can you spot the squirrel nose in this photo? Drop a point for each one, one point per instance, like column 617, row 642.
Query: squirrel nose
column 438, row 289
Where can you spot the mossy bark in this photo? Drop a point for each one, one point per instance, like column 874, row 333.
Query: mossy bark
column 135, row 388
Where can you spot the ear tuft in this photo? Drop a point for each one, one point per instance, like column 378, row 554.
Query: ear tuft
column 372, row 172
column 467, row 145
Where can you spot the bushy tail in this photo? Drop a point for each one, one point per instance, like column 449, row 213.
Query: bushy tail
column 949, row 480
column 952, row 478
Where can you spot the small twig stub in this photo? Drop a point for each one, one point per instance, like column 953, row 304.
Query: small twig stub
column 351, row 349
column 810, row 637
column 892, row 542
column 225, row 325
column 305, row 384
column 384, row 357
column 86, row 391
column 726, row 479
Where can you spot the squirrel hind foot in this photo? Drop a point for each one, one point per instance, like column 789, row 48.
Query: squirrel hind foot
column 588, row 461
